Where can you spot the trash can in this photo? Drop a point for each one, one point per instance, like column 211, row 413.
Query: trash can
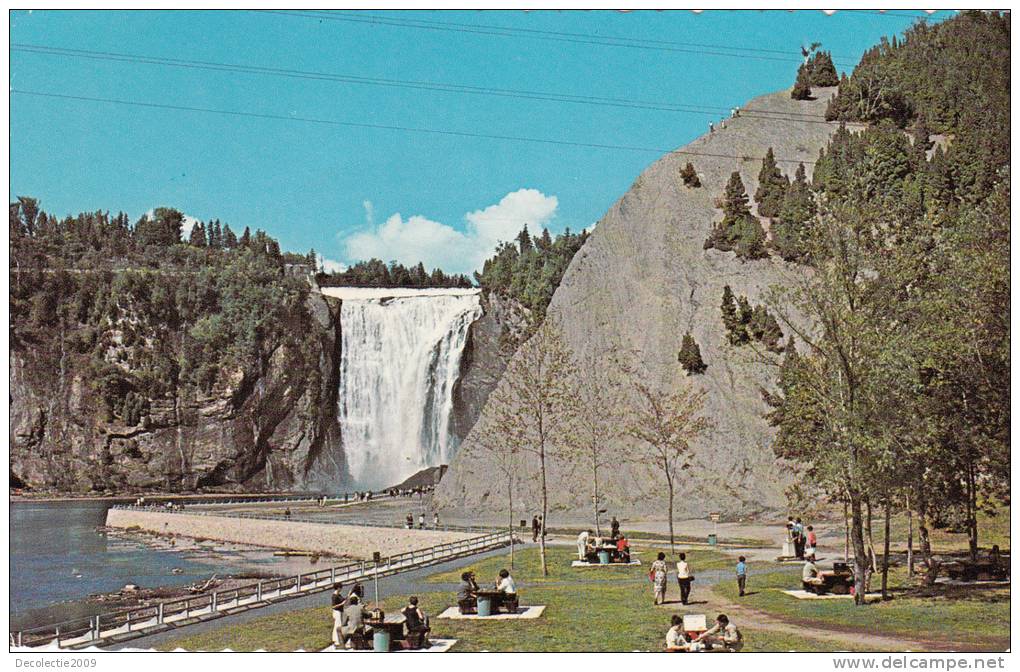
column 381, row 640
column 712, row 539
column 603, row 557
column 484, row 605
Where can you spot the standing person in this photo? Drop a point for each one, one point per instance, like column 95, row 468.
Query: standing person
column 435, row 520
column 582, row 544
column 741, row 574
column 812, row 542
column 534, row 529
column 409, row 521
column 421, row 520
column 615, row 525
column 658, row 575
column 684, row 577
column 337, row 603
column 798, row 538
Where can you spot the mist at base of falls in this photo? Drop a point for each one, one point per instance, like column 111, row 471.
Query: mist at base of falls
column 400, row 360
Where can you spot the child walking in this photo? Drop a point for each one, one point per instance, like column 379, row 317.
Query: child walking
column 741, row 574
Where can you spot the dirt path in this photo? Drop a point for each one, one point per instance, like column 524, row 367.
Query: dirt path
column 708, row 601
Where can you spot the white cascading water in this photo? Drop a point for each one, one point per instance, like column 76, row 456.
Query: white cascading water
column 400, row 360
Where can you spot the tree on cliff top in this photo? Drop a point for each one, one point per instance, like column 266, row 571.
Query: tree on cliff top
column 772, row 186
column 802, row 86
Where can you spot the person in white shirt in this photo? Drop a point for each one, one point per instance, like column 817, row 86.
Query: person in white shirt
column 684, row 577
column 723, row 634
column 676, row 640
column 506, row 583
column 810, row 579
column 582, row 544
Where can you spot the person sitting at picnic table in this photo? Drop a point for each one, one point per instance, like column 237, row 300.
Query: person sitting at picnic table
column 623, row 549
column 417, row 624
column 467, row 602
column 353, row 620
column 676, row 638
column 723, row 634
column 809, row 577
column 658, row 576
column 508, row 589
column 582, row 544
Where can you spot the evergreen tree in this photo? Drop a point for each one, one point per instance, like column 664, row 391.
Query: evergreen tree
column 245, row 241
column 229, row 239
column 822, row 70
column 802, row 86
column 197, row 237
column 215, row 235
column 690, row 356
column 524, row 240
column 739, row 231
column 690, row 176
column 797, row 210
column 772, row 186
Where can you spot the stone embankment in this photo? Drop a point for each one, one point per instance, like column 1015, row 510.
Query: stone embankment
column 343, row 540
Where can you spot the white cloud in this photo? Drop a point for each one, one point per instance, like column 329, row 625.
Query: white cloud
column 436, row 244
column 331, row 265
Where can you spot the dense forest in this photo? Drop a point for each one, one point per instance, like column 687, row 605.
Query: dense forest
column 375, row 273
column 529, row 269
column 83, row 287
column 901, row 399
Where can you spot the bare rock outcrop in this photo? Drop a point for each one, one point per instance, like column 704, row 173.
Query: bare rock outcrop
column 642, row 280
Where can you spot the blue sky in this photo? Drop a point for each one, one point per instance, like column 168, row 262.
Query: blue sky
column 355, row 192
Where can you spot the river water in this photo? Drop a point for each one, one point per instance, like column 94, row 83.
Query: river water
column 57, row 555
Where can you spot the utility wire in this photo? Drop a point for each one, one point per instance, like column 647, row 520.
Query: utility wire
column 551, row 36
column 419, row 85
column 388, row 127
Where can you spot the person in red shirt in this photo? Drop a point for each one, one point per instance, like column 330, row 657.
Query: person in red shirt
column 812, row 542
column 623, row 549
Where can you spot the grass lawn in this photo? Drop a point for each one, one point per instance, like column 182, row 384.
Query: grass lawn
column 973, row 615
column 586, row 610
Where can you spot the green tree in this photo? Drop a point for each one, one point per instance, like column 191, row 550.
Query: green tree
column 689, row 176
column 197, row 237
column 802, row 86
column 772, row 187
column 690, row 356
column 739, row 230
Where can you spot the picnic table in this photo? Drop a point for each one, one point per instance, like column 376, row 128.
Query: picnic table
column 488, row 601
column 393, row 626
column 977, row 570
column 833, row 581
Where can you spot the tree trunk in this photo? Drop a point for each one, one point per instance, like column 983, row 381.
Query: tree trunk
column 972, row 532
column 910, row 540
column 510, row 519
column 545, row 510
column 885, row 555
column 872, row 559
column 860, row 552
column 669, row 483
column 846, row 532
column 595, row 499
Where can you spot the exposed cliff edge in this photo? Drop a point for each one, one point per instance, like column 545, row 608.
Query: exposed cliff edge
column 271, row 431
column 642, row 280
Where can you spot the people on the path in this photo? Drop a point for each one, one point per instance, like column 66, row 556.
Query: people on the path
column 421, row 521
column 811, row 543
column 409, row 521
column 676, row 638
column 723, row 634
column 417, row 622
column 467, row 601
column 658, row 575
column 684, row 577
column 435, row 520
column 534, row 529
column 741, row 574
column 286, row 512
column 582, row 544
column 337, row 603
column 798, row 538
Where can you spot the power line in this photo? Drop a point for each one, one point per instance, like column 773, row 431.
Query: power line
column 388, row 127
column 419, row 85
column 575, row 38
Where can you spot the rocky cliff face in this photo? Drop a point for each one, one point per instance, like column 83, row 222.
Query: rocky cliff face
column 641, row 281
column 271, row 431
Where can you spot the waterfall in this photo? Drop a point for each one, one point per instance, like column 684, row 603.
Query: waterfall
column 400, row 359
